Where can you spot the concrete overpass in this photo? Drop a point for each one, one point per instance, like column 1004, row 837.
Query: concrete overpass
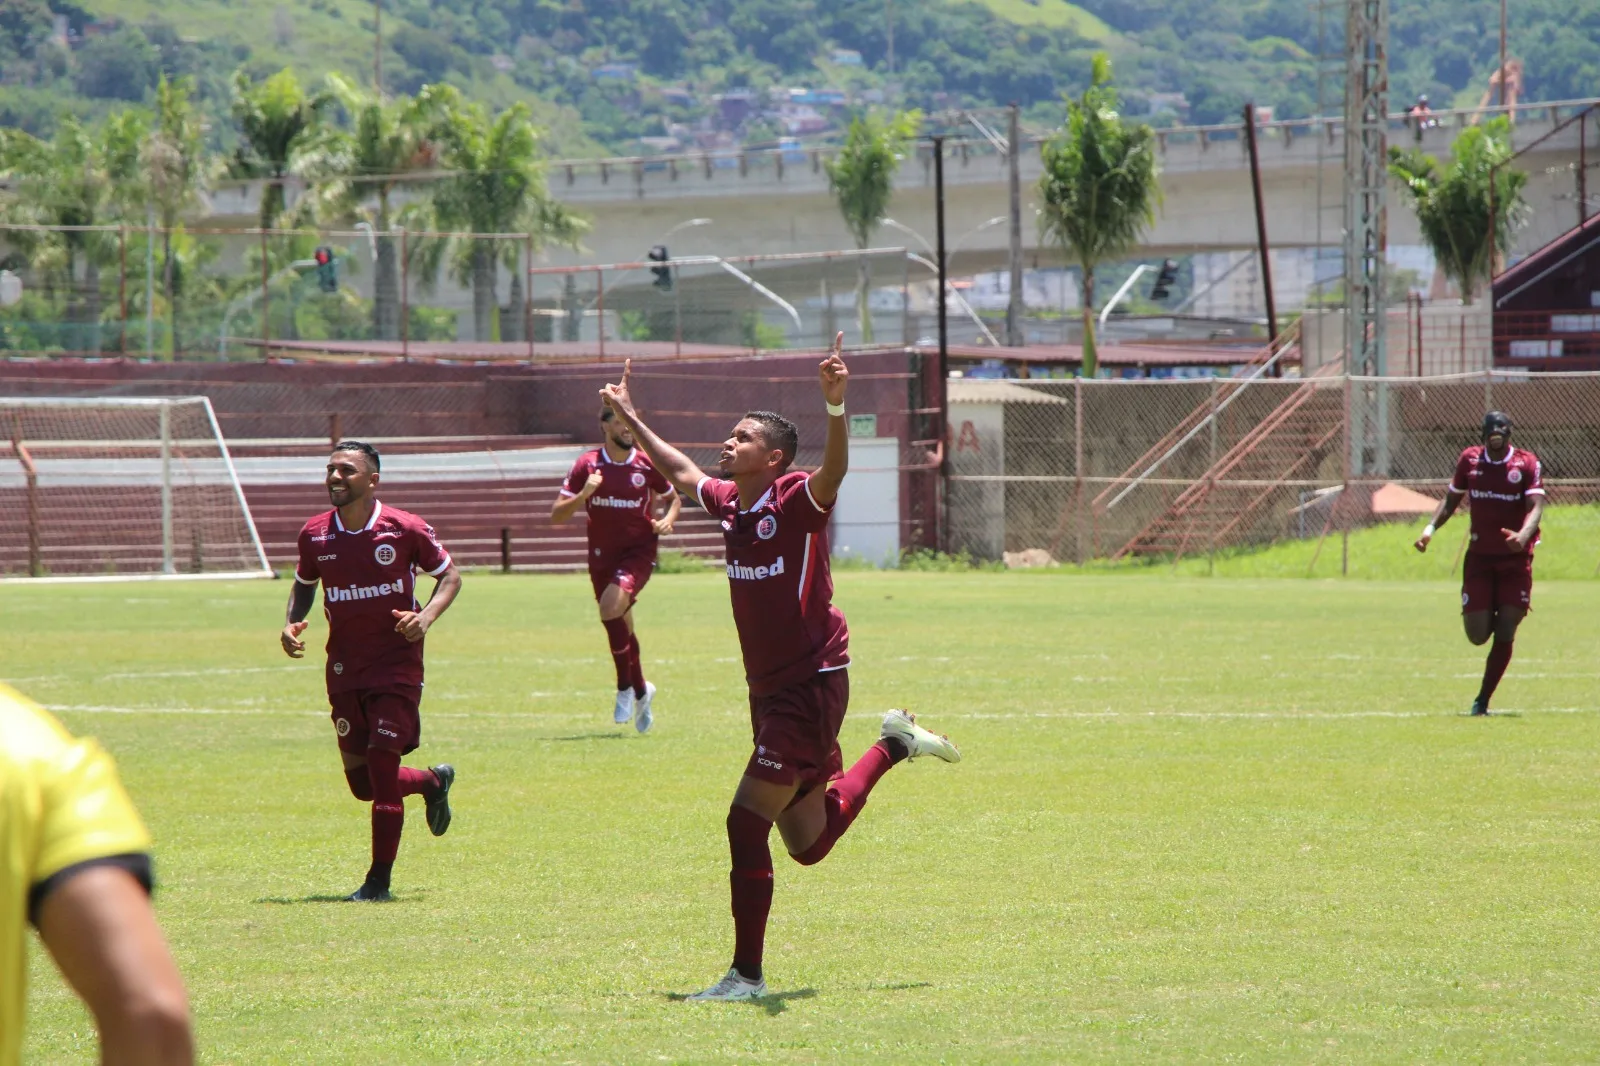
column 777, row 201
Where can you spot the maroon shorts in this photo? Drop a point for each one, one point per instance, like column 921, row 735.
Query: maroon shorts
column 386, row 717
column 1491, row 581
column 796, row 731
column 630, row 569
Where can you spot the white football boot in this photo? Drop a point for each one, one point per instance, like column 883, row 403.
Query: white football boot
column 902, row 726
column 731, row 989
column 622, row 714
column 642, row 719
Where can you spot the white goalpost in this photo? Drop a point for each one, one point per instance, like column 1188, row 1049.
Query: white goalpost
column 111, row 488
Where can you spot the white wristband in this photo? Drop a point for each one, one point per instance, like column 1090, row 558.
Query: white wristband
column 1427, row 530
column 835, row 409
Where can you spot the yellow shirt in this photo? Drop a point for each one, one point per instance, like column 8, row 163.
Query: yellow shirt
column 61, row 804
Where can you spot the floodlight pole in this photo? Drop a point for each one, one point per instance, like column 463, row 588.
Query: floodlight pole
column 1261, row 224
column 944, row 333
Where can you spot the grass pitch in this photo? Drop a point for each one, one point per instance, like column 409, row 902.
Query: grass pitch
column 1198, row 820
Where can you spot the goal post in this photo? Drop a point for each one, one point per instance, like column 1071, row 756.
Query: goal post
column 121, row 487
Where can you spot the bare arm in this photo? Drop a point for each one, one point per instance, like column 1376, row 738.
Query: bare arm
column 829, row 476
column 414, row 625
column 301, row 599
column 1521, row 538
column 567, row 506
column 664, row 524
column 676, row 467
column 101, row 930
column 1441, row 515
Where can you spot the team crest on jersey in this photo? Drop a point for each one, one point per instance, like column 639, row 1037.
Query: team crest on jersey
column 1513, row 475
column 767, row 528
column 338, row 668
column 637, row 479
column 384, row 553
column 342, row 727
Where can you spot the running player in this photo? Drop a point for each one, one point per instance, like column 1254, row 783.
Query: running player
column 367, row 557
column 775, row 528
column 1507, row 494
column 617, row 487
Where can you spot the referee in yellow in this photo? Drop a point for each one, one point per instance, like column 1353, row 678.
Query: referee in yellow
column 74, row 861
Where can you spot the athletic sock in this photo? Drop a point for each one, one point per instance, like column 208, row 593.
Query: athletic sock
column 845, row 797
column 388, row 809
column 635, row 671
column 620, row 641
column 1494, row 668
column 414, row 782
column 360, row 783
column 751, row 883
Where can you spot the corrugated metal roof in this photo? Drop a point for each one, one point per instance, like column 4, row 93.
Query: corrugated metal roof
column 981, row 390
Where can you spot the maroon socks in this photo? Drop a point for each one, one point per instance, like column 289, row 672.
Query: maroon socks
column 635, row 671
column 846, row 796
column 1494, row 669
column 751, row 882
column 621, row 644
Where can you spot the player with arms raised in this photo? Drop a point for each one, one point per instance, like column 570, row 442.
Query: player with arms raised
column 367, row 557
column 617, row 487
column 1506, row 491
column 775, row 528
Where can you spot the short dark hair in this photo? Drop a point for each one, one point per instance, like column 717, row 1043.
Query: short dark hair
column 1496, row 420
column 359, row 446
column 778, row 432
column 606, row 413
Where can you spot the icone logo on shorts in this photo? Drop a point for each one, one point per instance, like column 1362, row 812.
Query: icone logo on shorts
column 637, row 479
column 384, row 553
column 769, row 762
column 1513, row 475
column 767, row 528
column 341, row 726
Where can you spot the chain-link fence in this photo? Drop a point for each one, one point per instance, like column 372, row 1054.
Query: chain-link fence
column 1080, row 470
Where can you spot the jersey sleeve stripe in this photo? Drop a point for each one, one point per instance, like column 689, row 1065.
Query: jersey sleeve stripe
column 1535, row 492
column 699, row 492
column 303, row 580
column 567, row 493
column 1458, row 492
column 821, row 509
column 442, row 566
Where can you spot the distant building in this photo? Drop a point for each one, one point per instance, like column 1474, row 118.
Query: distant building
column 678, row 96
column 734, row 107
column 503, row 63
column 615, row 72
column 846, row 57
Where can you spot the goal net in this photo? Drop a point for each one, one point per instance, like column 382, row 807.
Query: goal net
column 108, row 487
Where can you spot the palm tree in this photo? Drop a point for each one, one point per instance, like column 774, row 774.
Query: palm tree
column 861, row 178
column 273, row 117
column 77, row 178
column 174, row 164
column 1453, row 203
column 1099, row 189
column 358, row 170
column 495, row 183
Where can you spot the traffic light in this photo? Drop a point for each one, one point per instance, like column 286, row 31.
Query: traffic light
column 327, row 270
column 658, row 254
column 1165, row 279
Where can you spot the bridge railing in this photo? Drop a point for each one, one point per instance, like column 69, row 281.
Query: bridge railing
column 796, row 162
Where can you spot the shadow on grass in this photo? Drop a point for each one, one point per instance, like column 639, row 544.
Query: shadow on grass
column 588, row 736
column 290, row 901
column 904, row 986
column 774, row 1003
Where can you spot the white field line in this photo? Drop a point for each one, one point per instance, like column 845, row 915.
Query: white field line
column 1310, row 716
column 135, row 675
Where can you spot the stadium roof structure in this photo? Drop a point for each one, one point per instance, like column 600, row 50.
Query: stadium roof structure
column 494, row 351
column 1110, row 355
column 990, row 390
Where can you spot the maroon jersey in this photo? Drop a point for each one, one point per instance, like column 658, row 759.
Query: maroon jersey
column 366, row 574
column 1498, row 494
column 778, row 578
column 619, row 510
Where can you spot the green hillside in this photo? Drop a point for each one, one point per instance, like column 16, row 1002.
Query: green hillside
column 643, row 75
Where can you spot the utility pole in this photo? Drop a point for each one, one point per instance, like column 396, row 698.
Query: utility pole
column 1014, row 304
column 1502, row 53
column 888, row 20
column 944, row 336
column 1261, row 230
column 1366, row 181
column 377, row 47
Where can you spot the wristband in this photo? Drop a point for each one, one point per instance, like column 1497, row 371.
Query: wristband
column 1427, row 530
column 835, row 409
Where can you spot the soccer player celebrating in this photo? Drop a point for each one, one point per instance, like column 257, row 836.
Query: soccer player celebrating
column 367, row 557
column 1507, row 497
column 775, row 527
column 616, row 485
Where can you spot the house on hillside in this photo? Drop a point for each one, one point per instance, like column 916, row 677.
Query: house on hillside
column 1547, row 307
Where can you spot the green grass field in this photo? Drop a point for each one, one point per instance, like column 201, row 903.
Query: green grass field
column 1198, row 820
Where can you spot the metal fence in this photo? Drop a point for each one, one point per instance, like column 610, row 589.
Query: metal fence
column 1078, row 470
column 239, row 294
